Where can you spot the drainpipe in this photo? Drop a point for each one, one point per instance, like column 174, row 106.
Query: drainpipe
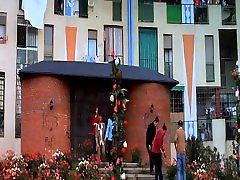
column 130, row 33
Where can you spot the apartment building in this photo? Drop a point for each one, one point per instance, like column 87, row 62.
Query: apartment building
column 194, row 42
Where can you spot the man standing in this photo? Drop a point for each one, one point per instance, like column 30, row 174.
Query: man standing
column 158, row 150
column 151, row 132
column 179, row 142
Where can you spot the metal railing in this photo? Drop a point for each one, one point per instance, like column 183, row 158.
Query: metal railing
column 204, row 129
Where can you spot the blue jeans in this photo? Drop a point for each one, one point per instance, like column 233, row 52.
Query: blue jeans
column 181, row 166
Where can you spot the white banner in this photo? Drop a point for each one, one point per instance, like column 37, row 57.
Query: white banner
column 34, row 11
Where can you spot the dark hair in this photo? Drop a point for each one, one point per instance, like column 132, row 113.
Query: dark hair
column 180, row 123
column 156, row 120
column 164, row 127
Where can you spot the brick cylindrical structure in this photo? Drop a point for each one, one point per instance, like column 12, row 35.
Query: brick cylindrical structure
column 44, row 129
column 138, row 115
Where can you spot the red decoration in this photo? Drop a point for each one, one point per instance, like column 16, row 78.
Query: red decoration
column 118, row 161
column 235, row 125
column 237, row 155
column 113, row 177
column 123, row 150
column 234, row 74
column 114, row 149
column 115, row 109
column 114, row 86
column 125, row 123
column 113, row 54
column 118, row 102
column 118, row 73
column 124, row 106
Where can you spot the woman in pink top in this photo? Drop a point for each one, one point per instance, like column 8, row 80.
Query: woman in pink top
column 158, row 150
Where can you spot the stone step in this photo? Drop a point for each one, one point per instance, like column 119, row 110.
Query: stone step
column 128, row 170
column 125, row 164
column 140, row 176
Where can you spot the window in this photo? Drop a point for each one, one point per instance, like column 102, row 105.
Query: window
column 113, row 41
column 177, row 104
column 48, row 42
column 92, row 45
column 83, row 8
column 168, row 56
column 27, row 52
column 18, row 108
column 145, row 10
column 209, row 55
column 2, row 94
column 117, row 10
column 3, row 22
column 59, row 7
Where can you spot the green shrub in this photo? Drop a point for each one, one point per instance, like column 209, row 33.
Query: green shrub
column 136, row 156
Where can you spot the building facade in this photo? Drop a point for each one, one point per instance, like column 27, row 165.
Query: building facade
column 193, row 42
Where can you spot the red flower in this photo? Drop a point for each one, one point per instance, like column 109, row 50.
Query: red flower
column 113, row 177
column 115, row 109
column 125, row 123
column 237, row 155
column 123, row 150
column 114, row 149
column 234, row 74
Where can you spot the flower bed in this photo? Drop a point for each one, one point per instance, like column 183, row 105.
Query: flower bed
column 59, row 166
column 204, row 163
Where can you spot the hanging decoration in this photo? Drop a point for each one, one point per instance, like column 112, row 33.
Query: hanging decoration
column 118, row 101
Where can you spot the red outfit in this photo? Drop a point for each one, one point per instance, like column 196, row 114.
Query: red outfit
column 94, row 119
column 157, row 146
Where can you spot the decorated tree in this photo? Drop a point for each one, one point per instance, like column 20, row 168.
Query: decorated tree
column 236, row 144
column 118, row 101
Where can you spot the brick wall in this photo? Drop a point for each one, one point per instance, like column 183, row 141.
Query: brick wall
column 142, row 96
column 45, row 130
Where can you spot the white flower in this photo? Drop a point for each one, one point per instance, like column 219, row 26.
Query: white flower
column 123, row 176
column 239, row 130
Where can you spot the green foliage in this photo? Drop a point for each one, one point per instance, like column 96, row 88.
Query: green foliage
column 194, row 149
column 86, row 149
column 136, row 156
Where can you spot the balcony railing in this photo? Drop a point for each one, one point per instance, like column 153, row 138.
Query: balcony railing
column 26, row 56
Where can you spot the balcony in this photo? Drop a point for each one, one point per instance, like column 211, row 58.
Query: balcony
column 201, row 14
column 174, row 13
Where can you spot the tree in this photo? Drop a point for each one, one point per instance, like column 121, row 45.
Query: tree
column 118, row 101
